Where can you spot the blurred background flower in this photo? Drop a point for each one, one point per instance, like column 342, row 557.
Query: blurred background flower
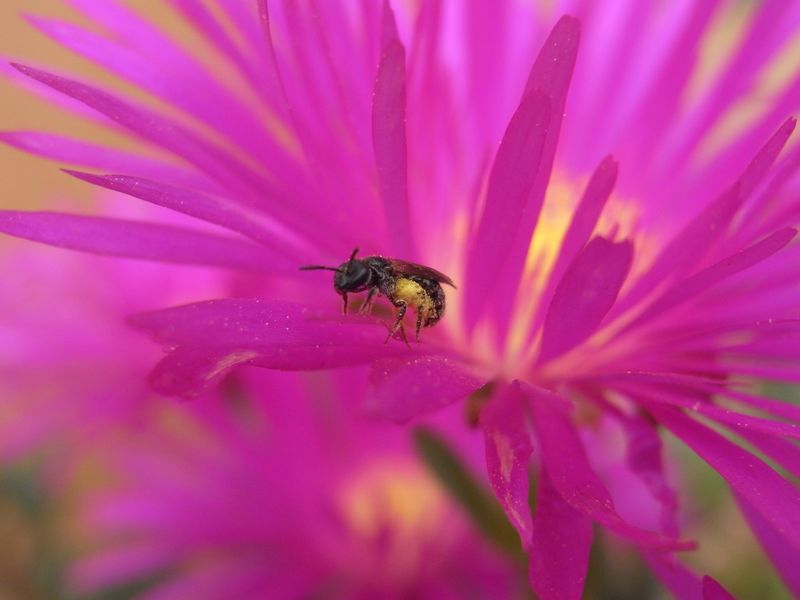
column 687, row 138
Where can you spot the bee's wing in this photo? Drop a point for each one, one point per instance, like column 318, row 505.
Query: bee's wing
column 403, row 267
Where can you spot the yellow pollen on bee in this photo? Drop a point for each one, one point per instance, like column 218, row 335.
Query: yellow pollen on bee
column 413, row 294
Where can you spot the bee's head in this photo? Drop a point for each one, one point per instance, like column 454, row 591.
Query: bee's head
column 352, row 276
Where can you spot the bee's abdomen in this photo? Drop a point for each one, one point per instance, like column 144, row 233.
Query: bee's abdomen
column 428, row 298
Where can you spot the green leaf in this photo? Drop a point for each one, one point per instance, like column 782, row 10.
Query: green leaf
column 470, row 493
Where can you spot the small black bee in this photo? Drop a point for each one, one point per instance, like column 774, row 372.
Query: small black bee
column 403, row 283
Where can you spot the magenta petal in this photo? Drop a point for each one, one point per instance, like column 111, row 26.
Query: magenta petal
column 551, row 75
column 389, row 142
column 210, row 338
column 388, row 25
column 644, row 455
column 587, row 213
column 584, row 295
column 783, row 452
column 552, row 70
column 707, row 278
column 255, row 321
column 564, row 458
column 765, row 158
column 684, row 399
column 562, row 539
column 134, row 239
column 714, row 591
column 688, row 247
column 695, row 240
column 190, row 370
column 777, row 500
column 194, row 204
column 508, row 453
column 783, row 555
column 159, row 130
column 411, row 387
column 510, row 183
column 85, row 154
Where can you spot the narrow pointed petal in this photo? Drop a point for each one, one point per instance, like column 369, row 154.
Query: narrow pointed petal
column 551, row 75
column 688, row 247
column 766, row 157
column 583, row 223
column 510, row 182
column 152, row 127
column 564, row 457
column 508, row 453
column 408, row 388
column 239, row 178
column 783, row 555
column 562, row 539
column 784, row 452
column 707, row 278
column 552, row 69
column 85, row 154
column 135, row 239
column 644, row 456
column 217, row 106
column 188, row 371
column 389, row 142
column 388, row 25
column 698, row 237
column 772, row 496
column 584, row 295
column 687, row 399
column 191, row 203
column 586, row 214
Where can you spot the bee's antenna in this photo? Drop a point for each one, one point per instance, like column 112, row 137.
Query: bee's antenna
column 351, row 259
column 319, row 268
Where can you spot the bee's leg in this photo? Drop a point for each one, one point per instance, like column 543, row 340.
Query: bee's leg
column 398, row 321
column 420, row 314
column 344, row 304
column 404, row 336
column 365, row 308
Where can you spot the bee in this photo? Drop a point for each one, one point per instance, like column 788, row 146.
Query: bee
column 403, row 283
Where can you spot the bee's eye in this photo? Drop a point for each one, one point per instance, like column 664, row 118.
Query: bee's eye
column 358, row 274
column 354, row 276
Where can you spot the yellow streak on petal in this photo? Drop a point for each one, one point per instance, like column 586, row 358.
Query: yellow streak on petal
column 619, row 220
column 560, row 200
column 721, row 37
column 506, row 455
column 775, row 76
column 231, row 360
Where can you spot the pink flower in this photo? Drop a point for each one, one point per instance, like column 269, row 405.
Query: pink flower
column 476, row 142
column 274, row 491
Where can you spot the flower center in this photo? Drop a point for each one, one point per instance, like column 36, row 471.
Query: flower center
column 619, row 220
